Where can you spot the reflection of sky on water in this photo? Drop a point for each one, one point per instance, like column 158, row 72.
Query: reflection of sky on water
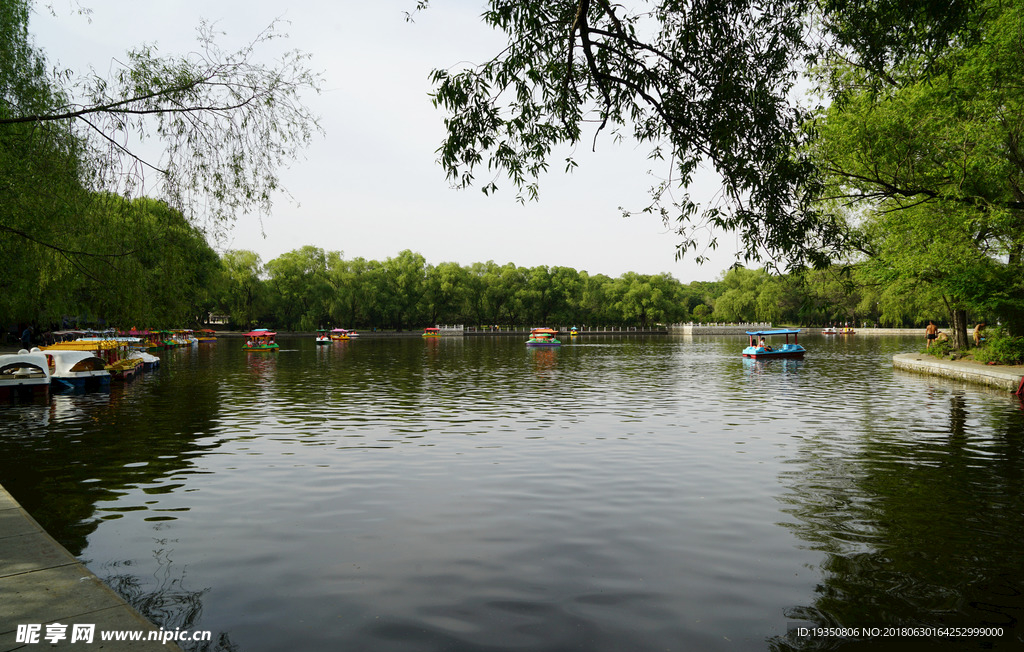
column 623, row 493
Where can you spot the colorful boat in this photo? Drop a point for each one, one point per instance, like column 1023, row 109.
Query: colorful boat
column 829, row 330
column 339, row 334
column 543, row 337
column 207, row 336
column 846, row 331
column 260, row 340
column 125, row 368
column 573, row 332
column 24, row 374
column 115, row 352
column 149, row 361
column 322, row 337
column 185, row 337
column 77, row 370
column 759, row 348
column 431, row 332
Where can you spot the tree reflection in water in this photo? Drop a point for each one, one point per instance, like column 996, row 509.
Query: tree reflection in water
column 917, row 528
column 169, row 602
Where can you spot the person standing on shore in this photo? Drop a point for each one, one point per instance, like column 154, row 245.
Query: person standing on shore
column 930, row 332
column 977, row 333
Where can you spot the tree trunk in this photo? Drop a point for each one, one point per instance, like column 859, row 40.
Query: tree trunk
column 959, row 327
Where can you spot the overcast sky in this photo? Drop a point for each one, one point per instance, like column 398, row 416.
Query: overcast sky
column 371, row 187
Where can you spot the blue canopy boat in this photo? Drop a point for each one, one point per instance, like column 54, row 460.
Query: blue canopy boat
column 758, row 348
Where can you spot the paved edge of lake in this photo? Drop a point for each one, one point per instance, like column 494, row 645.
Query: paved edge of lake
column 42, row 583
column 1003, row 377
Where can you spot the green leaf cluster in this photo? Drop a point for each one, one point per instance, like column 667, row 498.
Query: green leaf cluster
column 920, row 152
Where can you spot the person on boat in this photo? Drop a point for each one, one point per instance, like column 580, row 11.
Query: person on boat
column 930, row 333
column 764, row 345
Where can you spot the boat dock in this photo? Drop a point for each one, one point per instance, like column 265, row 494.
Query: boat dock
column 46, row 591
column 999, row 376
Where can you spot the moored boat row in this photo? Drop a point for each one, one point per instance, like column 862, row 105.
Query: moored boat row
column 88, row 359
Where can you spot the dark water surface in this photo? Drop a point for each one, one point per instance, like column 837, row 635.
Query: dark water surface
column 615, row 494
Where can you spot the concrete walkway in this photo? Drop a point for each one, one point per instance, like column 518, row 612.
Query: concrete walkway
column 1001, row 376
column 41, row 583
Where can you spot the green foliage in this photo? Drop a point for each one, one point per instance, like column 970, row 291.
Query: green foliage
column 239, row 291
column 75, row 239
column 922, row 150
column 705, row 86
column 939, row 349
column 1001, row 348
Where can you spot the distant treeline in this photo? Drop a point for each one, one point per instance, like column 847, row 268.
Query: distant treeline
column 162, row 273
column 310, row 288
column 159, row 272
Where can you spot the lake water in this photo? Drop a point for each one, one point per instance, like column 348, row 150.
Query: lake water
column 616, row 494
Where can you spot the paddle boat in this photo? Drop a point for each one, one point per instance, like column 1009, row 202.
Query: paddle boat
column 339, row 334
column 149, row 361
column 758, row 347
column 543, row 337
column 260, row 340
column 431, row 332
column 322, row 337
column 829, row 330
column 77, row 370
column 846, row 331
column 113, row 350
column 573, row 332
column 24, row 374
column 207, row 336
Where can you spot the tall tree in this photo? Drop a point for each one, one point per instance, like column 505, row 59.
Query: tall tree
column 925, row 151
column 298, row 288
column 241, row 288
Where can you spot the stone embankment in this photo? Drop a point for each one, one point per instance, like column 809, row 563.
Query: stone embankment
column 42, row 585
column 1000, row 376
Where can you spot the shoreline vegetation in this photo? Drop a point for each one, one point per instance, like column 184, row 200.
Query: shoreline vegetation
column 310, row 288
column 863, row 239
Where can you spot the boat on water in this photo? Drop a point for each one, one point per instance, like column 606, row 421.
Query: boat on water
column 24, row 375
column 543, row 337
column 759, row 347
column 339, row 334
column 837, row 330
column 322, row 336
column 431, row 332
column 125, row 368
column 207, row 336
column 573, row 332
column 77, row 369
column 114, row 351
column 185, row 337
column 260, row 340
column 149, row 361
